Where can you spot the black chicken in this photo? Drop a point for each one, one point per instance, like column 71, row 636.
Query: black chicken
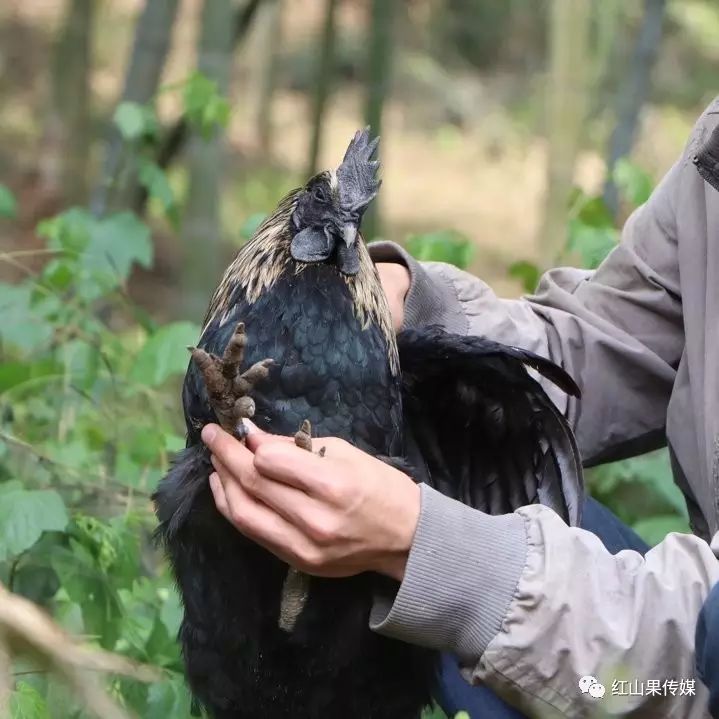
column 462, row 412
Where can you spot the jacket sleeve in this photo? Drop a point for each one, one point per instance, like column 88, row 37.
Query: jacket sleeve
column 617, row 331
column 529, row 604
column 571, row 610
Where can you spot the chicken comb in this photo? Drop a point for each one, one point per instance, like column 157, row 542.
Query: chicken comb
column 357, row 175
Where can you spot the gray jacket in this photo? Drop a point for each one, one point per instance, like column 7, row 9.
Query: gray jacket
column 529, row 604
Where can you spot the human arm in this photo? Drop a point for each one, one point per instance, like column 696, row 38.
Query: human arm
column 617, row 331
column 620, row 333
column 335, row 515
column 530, row 605
column 529, row 616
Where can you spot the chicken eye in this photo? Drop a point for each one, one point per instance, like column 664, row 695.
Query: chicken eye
column 319, row 194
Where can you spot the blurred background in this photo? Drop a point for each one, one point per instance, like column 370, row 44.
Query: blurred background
column 142, row 141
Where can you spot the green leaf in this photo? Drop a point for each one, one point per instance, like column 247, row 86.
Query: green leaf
column 26, row 703
column 654, row 470
column 205, row 107
column 22, row 326
column 165, row 353
column 639, row 488
column 154, row 180
column 592, row 211
column 135, row 474
column 136, row 624
column 91, row 570
column 58, row 275
column 633, row 182
column 13, row 374
column 97, row 254
column 251, row 225
column 146, row 444
column 654, row 529
column 8, row 203
column 135, row 121
column 82, row 361
column 68, row 231
column 442, row 246
column 173, row 442
column 71, row 453
column 433, row 712
column 592, row 244
column 162, row 648
column 527, row 273
column 169, row 698
column 115, row 244
column 25, row 515
column 171, row 612
column 98, row 600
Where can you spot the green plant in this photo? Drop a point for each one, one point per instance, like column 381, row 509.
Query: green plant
column 88, row 420
column 86, row 426
column 442, row 246
column 592, row 232
column 205, row 108
column 8, row 205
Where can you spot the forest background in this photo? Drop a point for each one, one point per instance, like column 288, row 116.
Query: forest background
column 142, row 141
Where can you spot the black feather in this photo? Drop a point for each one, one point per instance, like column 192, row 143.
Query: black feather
column 330, row 369
column 491, row 436
column 464, row 416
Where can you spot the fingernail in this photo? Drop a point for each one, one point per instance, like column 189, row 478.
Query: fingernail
column 209, row 432
column 250, row 426
column 215, row 484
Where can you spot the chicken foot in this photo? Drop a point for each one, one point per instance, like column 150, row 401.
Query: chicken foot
column 227, row 387
column 228, row 391
column 295, row 589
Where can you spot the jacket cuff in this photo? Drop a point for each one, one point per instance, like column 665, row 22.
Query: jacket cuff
column 461, row 576
column 432, row 298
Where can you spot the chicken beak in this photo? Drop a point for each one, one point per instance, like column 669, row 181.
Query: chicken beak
column 349, row 234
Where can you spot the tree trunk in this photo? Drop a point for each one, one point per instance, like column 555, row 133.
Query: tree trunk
column 378, row 78
column 66, row 147
column 270, row 42
column 175, row 138
column 201, row 234
column 633, row 93
column 118, row 184
column 566, row 94
column 325, row 64
column 608, row 16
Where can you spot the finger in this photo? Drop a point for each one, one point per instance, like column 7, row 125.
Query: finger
column 218, row 492
column 222, row 470
column 291, row 503
column 250, row 479
column 291, row 465
column 232, row 453
column 261, row 523
column 256, row 437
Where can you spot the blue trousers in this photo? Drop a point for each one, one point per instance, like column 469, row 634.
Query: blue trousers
column 454, row 694
column 707, row 648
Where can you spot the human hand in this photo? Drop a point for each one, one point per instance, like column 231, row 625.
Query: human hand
column 331, row 516
column 395, row 281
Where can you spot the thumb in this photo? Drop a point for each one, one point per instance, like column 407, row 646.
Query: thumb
column 256, row 437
